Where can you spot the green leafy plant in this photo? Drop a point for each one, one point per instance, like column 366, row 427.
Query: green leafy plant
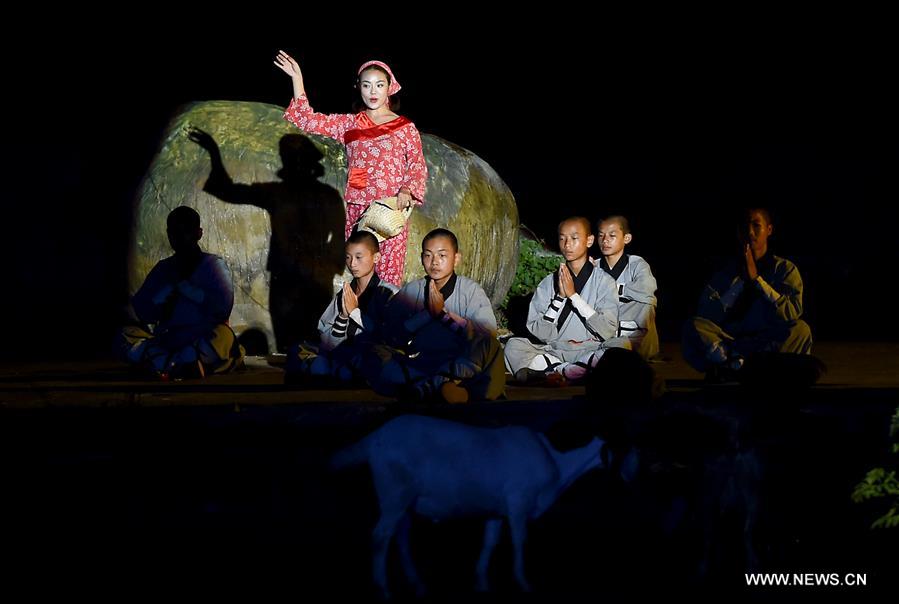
column 881, row 483
column 534, row 263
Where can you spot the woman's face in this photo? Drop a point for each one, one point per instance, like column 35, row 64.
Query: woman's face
column 373, row 85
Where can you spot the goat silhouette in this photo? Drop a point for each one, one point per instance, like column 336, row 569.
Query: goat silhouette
column 442, row 469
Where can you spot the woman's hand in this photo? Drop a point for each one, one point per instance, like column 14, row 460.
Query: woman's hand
column 289, row 65
column 403, row 199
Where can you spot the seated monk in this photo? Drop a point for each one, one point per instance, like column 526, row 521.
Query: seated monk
column 352, row 322
column 573, row 313
column 184, row 304
column 754, row 305
column 442, row 332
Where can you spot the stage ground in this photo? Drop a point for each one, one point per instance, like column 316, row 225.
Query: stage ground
column 109, row 383
column 122, row 488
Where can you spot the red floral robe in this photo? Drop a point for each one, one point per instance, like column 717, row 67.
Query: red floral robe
column 380, row 161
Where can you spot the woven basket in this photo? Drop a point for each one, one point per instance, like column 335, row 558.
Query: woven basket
column 383, row 219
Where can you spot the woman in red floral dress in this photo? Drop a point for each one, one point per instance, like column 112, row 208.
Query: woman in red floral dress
column 383, row 151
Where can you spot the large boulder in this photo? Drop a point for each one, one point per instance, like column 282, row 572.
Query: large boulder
column 283, row 241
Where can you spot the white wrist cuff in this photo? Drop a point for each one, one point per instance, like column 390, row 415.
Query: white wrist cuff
column 584, row 309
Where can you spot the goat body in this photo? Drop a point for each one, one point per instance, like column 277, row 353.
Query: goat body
column 442, row 469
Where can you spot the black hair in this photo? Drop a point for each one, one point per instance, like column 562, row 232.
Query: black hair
column 621, row 220
column 587, row 226
column 367, row 238
column 749, row 209
column 441, row 233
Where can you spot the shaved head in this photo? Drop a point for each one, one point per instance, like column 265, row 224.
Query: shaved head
column 367, row 238
column 588, row 230
column 620, row 220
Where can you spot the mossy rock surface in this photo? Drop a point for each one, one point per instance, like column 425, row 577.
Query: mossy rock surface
column 302, row 240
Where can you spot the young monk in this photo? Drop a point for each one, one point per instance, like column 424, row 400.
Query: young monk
column 636, row 288
column 753, row 305
column 353, row 320
column 573, row 313
column 187, row 298
column 442, row 330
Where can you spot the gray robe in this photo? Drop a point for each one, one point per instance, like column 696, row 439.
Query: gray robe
column 763, row 316
column 562, row 328
column 367, row 322
column 424, row 346
column 188, row 299
column 408, row 318
column 636, row 305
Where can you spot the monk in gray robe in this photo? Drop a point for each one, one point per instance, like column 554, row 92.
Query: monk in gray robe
column 184, row 305
column 442, row 334
column 636, row 288
column 753, row 305
column 352, row 322
column 572, row 315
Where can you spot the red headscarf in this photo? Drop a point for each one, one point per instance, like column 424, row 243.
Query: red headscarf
column 394, row 84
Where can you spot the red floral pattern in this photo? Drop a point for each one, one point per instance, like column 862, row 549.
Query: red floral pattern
column 382, row 161
column 393, row 251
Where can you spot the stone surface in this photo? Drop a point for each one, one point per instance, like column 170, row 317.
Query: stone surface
column 298, row 237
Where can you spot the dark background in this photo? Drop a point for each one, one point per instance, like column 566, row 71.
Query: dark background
column 674, row 122
column 673, row 119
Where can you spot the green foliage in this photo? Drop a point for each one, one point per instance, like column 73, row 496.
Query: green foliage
column 534, row 263
column 882, row 484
